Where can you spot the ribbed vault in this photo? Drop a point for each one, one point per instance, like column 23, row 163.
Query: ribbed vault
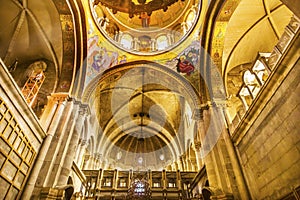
column 142, row 109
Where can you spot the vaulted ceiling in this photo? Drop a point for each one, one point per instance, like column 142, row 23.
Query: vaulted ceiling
column 137, row 112
column 142, row 109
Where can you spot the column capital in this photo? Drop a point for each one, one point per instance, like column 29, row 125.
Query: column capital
column 182, row 157
column 197, row 114
column 98, row 157
column 79, row 141
column 84, row 110
column 197, row 146
column 221, row 103
column 83, row 142
column 59, row 97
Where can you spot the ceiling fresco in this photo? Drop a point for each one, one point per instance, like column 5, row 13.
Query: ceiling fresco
column 99, row 59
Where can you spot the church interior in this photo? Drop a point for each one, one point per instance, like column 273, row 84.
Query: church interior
column 149, row 99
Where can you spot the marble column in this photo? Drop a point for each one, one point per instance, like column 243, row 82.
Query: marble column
column 184, row 27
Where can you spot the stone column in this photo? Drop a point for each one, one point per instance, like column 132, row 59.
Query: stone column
column 194, row 164
column 70, row 156
column 99, row 179
column 243, row 99
column 115, row 180
column 219, row 157
column 197, row 148
column 188, row 164
column 178, row 179
column 85, row 162
column 182, row 160
column 64, row 141
column 56, row 150
column 239, row 177
column 49, row 112
column 78, row 150
column 37, row 175
column 82, row 148
column 204, row 126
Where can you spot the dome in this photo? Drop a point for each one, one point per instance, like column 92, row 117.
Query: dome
column 145, row 27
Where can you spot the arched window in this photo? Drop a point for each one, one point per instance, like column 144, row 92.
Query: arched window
column 162, row 42
column 260, row 70
column 251, row 82
column 126, row 41
column 190, row 18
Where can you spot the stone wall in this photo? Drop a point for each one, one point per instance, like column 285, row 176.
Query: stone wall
column 21, row 137
column 270, row 150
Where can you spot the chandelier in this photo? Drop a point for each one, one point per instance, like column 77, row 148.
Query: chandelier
column 128, row 6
